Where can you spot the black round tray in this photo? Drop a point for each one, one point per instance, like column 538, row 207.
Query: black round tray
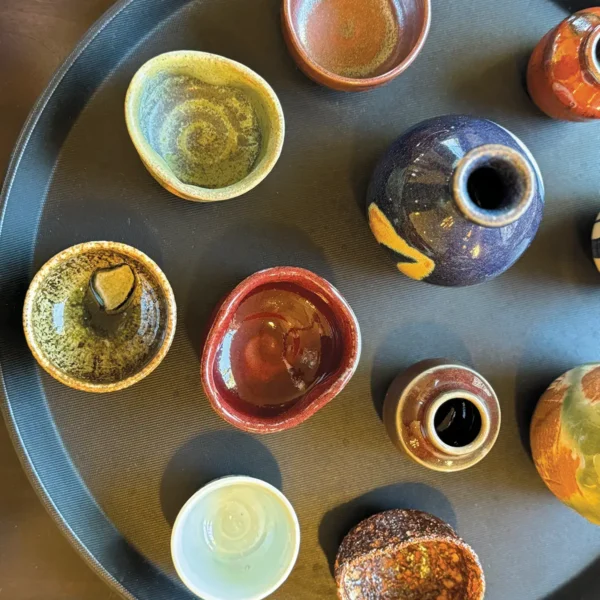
column 115, row 469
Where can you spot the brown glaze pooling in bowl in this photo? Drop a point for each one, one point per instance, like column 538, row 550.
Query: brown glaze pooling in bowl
column 281, row 342
column 355, row 44
column 281, row 346
column 408, row 555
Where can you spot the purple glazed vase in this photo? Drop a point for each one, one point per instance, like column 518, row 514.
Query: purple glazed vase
column 456, row 200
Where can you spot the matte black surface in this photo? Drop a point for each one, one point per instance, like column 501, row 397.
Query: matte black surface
column 118, row 467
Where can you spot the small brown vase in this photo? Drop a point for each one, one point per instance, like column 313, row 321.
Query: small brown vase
column 563, row 76
column 407, row 554
column 565, row 439
column 443, row 414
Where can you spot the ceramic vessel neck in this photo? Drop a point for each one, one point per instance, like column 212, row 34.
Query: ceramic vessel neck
column 591, row 54
column 493, row 185
column 438, row 412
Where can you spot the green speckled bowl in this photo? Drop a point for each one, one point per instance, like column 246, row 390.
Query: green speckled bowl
column 206, row 127
column 82, row 346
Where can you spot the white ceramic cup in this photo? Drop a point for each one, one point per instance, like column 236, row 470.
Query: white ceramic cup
column 237, row 538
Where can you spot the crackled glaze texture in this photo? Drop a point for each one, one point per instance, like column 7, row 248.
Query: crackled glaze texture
column 407, row 554
column 443, row 414
column 354, row 45
column 565, row 439
column 81, row 343
column 563, row 76
column 456, row 200
column 281, row 346
column 207, row 128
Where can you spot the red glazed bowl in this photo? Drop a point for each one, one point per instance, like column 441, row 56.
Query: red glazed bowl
column 281, row 346
column 355, row 45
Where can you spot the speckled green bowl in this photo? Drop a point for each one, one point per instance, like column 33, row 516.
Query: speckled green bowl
column 78, row 344
column 206, row 127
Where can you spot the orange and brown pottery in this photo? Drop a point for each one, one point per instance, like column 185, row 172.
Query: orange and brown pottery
column 407, row 554
column 281, row 346
column 563, row 76
column 443, row 414
column 355, row 45
column 565, row 439
column 99, row 316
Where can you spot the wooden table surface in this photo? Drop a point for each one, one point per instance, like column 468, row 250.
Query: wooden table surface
column 36, row 561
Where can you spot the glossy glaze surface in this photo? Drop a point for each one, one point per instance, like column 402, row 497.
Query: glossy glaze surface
column 408, row 555
column 353, row 45
column 563, row 76
column 413, row 206
column 281, row 346
column 236, row 539
column 81, row 343
column 280, row 343
column 443, row 414
column 207, row 128
column 565, row 439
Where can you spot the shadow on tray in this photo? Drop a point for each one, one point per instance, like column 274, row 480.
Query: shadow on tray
column 211, row 456
column 582, row 587
column 394, row 355
column 338, row 521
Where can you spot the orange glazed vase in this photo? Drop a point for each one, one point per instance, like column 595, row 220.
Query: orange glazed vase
column 565, row 439
column 563, row 76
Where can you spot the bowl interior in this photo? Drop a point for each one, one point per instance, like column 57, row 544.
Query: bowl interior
column 358, row 39
column 235, row 541
column 205, row 120
column 423, row 569
column 280, row 343
column 76, row 337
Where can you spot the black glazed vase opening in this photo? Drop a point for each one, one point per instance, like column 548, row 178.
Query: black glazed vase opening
column 456, row 200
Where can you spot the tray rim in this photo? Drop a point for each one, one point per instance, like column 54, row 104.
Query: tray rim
column 5, row 407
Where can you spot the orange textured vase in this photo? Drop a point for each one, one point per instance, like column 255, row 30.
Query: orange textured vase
column 565, row 439
column 563, row 76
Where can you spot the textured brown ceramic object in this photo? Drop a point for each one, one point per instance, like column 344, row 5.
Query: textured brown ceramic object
column 565, row 439
column 408, row 555
column 563, row 76
column 443, row 414
column 355, row 45
column 99, row 316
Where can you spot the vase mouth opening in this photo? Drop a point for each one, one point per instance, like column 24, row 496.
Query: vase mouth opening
column 457, row 423
column 493, row 185
column 591, row 50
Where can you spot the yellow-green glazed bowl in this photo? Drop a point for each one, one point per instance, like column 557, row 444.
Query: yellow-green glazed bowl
column 207, row 128
column 99, row 316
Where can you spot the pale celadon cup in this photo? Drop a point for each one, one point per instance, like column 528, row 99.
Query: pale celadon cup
column 237, row 538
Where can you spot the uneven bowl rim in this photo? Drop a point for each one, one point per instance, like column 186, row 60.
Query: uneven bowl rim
column 155, row 164
column 67, row 254
column 209, row 353
column 351, row 82
column 228, row 481
column 452, row 537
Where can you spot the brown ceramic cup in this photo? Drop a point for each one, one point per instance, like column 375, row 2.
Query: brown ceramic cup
column 355, row 45
column 407, row 554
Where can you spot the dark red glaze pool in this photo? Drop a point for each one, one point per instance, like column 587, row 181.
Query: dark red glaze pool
column 281, row 346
